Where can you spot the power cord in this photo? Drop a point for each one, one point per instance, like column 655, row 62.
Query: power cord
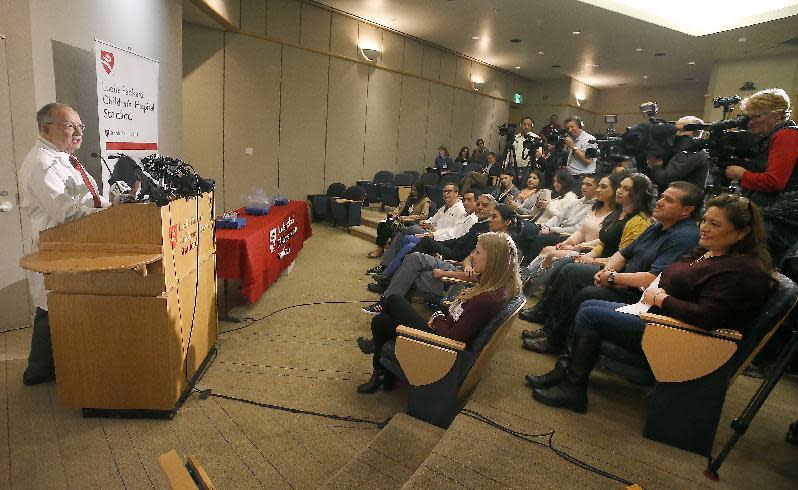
column 549, row 436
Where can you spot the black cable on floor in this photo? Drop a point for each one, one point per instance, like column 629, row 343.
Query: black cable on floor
column 253, row 320
column 549, row 436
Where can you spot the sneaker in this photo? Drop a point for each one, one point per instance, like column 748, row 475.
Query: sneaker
column 375, row 271
column 373, row 309
column 377, row 287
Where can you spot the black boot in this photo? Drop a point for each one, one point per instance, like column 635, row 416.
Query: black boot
column 374, row 383
column 572, row 390
column 366, row 345
column 551, row 378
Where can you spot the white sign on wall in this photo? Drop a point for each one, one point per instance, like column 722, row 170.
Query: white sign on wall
column 127, row 104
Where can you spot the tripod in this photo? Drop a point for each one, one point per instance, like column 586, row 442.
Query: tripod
column 741, row 423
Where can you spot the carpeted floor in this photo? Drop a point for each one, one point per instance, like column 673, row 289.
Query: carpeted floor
column 306, row 358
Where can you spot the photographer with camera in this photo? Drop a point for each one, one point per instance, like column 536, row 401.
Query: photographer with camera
column 687, row 166
column 524, row 156
column 772, row 172
column 577, row 141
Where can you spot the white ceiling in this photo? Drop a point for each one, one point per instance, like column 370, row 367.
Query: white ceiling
column 608, row 39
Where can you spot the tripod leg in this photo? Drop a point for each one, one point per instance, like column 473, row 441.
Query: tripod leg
column 741, row 423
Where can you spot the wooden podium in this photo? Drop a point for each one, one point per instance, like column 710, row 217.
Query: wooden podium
column 132, row 304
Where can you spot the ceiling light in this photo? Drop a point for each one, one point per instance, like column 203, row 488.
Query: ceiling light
column 659, row 54
column 645, row 76
column 742, row 39
column 517, row 67
column 515, row 40
column 478, row 85
column 639, row 50
column 555, row 66
column 691, row 62
column 576, row 33
column 541, row 52
column 701, row 18
column 475, row 38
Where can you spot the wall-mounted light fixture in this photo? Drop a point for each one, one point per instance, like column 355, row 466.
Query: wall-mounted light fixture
column 370, row 54
column 477, row 85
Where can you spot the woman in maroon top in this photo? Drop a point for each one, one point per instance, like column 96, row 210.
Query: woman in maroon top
column 495, row 268
column 721, row 285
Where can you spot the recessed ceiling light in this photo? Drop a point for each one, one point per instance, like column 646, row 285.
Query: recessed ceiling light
column 541, row 52
column 517, row 67
column 576, row 33
column 475, row 38
column 691, row 62
column 555, row 66
column 639, row 50
column 645, row 76
column 515, row 40
column 742, row 39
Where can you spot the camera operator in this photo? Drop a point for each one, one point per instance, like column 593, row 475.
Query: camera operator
column 773, row 170
column 576, row 143
column 550, row 161
column 523, row 159
column 552, row 127
column 688, row 166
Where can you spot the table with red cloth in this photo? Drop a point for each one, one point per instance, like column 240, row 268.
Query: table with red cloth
column 257, row 253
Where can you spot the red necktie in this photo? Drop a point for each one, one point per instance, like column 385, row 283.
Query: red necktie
column 76, row 163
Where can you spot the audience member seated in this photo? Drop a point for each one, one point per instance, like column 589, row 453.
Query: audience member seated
column 720, row 285
column 443, row 163
column 480, row 153
column 415, row 207
column 494, row 265
column 586, row 237
column 563, row 224
column 636, row 196
column 453, row 220
column 480, row 180
column 418, row 268
column 506, row 191
column 626, row 272
column 525, row 203
column 462, row 159
column 562, row 196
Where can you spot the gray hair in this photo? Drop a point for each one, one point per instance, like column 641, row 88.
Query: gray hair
column 45, row 114
column 690, row 120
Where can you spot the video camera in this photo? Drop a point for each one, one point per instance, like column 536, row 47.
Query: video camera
column 557, row 137
column 507, row 130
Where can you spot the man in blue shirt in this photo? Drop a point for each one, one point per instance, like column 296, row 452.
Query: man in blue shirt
column 627, row 272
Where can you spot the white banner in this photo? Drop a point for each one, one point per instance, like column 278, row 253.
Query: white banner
column 127, row 104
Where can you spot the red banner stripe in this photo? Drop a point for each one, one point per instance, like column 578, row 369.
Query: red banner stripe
column 126, row 145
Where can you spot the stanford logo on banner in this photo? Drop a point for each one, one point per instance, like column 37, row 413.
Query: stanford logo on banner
column 127, row 104
column 107, row 60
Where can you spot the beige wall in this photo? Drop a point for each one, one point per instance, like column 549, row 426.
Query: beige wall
column 728, row 76
column 674, row 102
column 295, row 90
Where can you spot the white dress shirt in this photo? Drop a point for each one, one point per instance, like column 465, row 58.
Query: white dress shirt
column 52, row 193
column 451, row 223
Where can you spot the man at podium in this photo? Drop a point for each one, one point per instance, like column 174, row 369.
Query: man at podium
column 55, row 188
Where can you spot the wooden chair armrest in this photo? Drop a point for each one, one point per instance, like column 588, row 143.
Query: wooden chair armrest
column 525, row 216
column 455, row 280
column 343, row 201
column 672, row 322
column 430, row 338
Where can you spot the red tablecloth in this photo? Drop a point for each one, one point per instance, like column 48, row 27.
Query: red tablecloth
column 257, row 253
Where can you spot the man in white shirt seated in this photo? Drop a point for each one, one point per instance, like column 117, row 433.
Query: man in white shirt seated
column 55, row 189
column 453, row 220
column 563, row 223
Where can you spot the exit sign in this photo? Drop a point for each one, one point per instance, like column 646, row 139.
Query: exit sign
column 517, row 98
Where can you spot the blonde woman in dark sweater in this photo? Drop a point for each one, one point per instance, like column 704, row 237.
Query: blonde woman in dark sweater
column 493, row 264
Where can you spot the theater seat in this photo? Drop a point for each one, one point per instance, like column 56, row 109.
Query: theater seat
column 442, row 372
column 372, row 187
column 346, row 211
column 392, row 194
column 320, row 203
column 692, row 368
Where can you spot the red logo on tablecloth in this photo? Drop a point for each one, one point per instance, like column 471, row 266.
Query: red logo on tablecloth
column 173, row 236
column 107, row 60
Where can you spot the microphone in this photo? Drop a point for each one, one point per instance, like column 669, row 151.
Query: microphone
column 95, row 155
column 115, row 186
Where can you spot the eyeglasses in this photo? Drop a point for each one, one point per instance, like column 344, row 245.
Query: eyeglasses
column 447, row 191
column 72, row 126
